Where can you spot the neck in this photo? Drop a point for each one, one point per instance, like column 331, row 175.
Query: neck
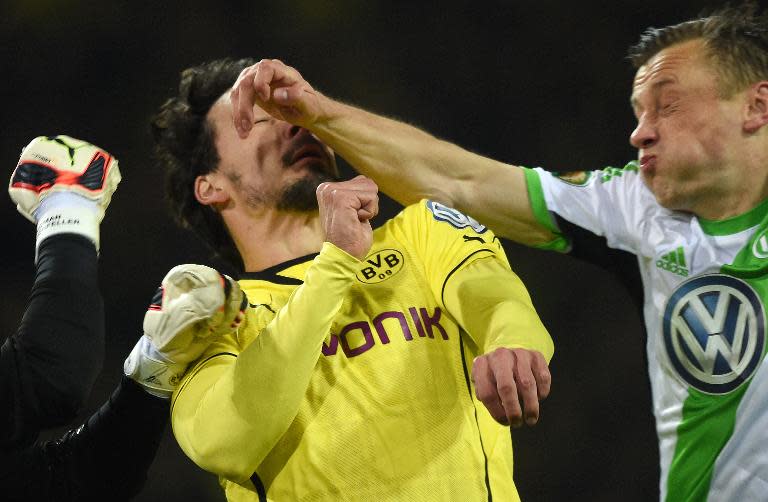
column 272, row 237
column 730, row 205
column 738, row 193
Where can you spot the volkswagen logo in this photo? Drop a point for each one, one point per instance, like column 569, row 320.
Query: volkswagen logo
column 714, row 332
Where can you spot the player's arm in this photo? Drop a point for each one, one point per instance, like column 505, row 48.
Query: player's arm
column 48, row 367
column 492, row 304
column 407, row 163
column 231, row 410
column 107, row 457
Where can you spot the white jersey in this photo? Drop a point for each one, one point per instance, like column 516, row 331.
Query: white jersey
column 705, row 286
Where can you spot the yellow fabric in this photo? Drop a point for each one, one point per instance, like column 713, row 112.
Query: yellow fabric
column 362, row 392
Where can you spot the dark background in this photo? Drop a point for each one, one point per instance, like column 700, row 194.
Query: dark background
column 529, row 82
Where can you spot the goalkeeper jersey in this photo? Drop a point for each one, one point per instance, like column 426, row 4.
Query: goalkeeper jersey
column 388, row 410
column 705, row 285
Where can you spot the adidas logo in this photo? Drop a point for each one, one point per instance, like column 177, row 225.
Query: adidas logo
column 674, row 262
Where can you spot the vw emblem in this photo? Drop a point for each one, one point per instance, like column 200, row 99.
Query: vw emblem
column 714, row 332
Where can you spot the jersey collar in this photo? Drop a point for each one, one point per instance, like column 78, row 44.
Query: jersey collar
column 289, row 272
column 735, row 224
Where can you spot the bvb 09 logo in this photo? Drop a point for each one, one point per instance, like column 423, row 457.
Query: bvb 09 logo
column 714, row 332
column 380, row 266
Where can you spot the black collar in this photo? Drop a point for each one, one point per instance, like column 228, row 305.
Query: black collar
column 272, row 274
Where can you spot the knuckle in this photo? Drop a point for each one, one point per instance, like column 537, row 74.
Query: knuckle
column 478, row 363
column 483, row 394
column 505, row 388
column 525, row 383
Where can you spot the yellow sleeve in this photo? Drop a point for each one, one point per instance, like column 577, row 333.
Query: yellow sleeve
column 492, row 304
column 445, row 241
column 231, row 410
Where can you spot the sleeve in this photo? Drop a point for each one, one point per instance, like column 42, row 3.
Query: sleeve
column 468, row 272
column 492, row 304
column 613, row 203
column 106, row 458
column 231, row 409
column 445, row 241
column 109, row 455
column 51, row 363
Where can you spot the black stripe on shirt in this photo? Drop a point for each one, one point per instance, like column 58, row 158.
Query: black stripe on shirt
column 474, row 408
column 260, row 491
column 457, row 267
column 271, row 274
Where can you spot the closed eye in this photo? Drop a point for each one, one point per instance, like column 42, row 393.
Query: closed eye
column 668, row 108
column 260, row 120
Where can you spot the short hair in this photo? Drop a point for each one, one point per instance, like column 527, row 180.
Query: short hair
column 736, row 39
column 185, row 148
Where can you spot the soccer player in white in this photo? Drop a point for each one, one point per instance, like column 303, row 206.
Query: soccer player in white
column 692, row 209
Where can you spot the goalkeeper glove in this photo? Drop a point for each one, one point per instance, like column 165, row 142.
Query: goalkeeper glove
column 60, row 164
column 193, row 307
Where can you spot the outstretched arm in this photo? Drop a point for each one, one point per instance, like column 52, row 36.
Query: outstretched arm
column 407, row 163
column 108, row 456
column 48, row 367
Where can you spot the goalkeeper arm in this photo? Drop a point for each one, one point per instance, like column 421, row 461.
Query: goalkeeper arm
column 107, row 458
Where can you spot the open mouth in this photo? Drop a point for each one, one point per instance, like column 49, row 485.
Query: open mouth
column 309, row 152
column 306, row 151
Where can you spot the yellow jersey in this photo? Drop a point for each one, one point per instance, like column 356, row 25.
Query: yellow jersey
column 349, row 379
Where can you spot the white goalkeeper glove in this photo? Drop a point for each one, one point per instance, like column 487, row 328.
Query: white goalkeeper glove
column 52, row 165
column 194, row 305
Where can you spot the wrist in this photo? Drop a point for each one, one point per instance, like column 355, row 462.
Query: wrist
column 152, row 370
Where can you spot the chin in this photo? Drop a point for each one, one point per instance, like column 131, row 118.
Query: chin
column 670, row 200
column 300, row 195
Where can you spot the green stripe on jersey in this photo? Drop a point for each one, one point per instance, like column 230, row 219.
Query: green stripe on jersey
column 540, row 211
column 708, row 420
column 737, row 223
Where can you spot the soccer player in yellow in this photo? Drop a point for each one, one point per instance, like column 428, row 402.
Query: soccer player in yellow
column 372, row 365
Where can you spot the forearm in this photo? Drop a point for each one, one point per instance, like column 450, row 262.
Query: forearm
column 494, row 307
column 53, row 360
column 409, row 164
column 229, row 425
column 109, row 456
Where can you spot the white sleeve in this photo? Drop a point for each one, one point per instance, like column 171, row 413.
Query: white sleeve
column 611, row 202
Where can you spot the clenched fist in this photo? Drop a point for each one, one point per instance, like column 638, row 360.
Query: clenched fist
column 346, row 209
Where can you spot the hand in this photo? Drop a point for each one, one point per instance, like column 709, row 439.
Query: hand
column 50, row 164
column 194, row 305
column 505, row 377
column 279, row 90
column 346, row 209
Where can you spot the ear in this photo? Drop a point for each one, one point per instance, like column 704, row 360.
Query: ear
column 208, row 192
column 757, row 107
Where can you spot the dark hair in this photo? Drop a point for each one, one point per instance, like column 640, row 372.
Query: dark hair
column 185, row 147
column 736, row 39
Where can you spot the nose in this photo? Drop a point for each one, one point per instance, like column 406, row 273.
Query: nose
column 645, row 134
column 291, row 130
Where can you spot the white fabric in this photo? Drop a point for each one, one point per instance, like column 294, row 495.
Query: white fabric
column 625, row 212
